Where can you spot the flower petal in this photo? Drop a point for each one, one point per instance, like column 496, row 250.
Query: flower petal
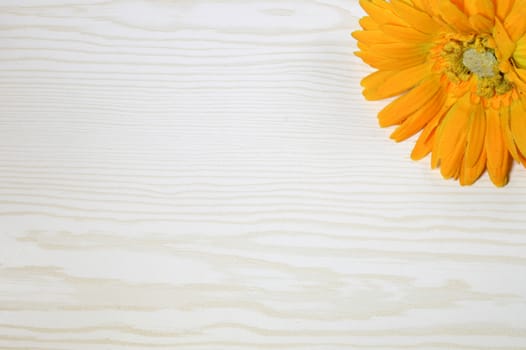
column 481, row 14
column 388, row 55
column 503, row 7
column 417, row 19
column 480, row 23
column 468, row 175
column 453, row 16
column 450, row 142
column 417, row 120
column 398, row 110
column 514, row 22
column 371, row 37
column 475, row 137
column 383, row 84
column 519, row 55
column 518, row 125
column 503, row 41
column 380, row 12
column 474, row 161
column 484, row 8
column 498, row 157
column 505, row 123
column 422, row 5
column 424, row 144
column 367, row 23
column 407, row 34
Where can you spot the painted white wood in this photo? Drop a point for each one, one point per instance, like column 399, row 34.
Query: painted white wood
column 206, row 175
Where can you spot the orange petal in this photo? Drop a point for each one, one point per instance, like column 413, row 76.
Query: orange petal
column 499, row 160
column 381, row 13
column 459, row 4
column 503, row 7
column 475, row 137
column 480, row 23
column 505, row 44
column 383, row 84
column 450, row 142
column 519, row 55
column 514, row 23
column 453, row 16
column 474, row 161
column 367, row 23
column 417, row 19
column 468, row 175
column 379, row 61
column 481, row 14
column 484, row 8
column 422, row 5
column 398, row 110
column 505, row 123
column 425, row 141
column 416, row 121
column 518, row 125
column 369, row 37
column 406, row 34
column 399, row 50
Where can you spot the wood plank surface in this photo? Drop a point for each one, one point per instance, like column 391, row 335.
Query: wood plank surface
column 200, row 174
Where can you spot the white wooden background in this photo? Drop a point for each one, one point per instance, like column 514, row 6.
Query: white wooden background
column 200, row 174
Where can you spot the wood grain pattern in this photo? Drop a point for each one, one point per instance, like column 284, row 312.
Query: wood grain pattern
column 200, row 174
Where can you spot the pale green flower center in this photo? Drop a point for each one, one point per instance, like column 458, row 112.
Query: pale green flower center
column 474, row 58
column 483, row 64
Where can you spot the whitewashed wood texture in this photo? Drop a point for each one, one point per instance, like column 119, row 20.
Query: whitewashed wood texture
column 192, row 174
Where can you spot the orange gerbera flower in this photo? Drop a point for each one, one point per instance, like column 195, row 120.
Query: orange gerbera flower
column 460, row 66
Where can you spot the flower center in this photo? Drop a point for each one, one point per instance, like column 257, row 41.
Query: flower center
column 483, row 64
column 462, row 59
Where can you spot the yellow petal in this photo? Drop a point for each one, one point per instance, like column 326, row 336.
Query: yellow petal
column 475, row 137
column 367, row 23
column 505, row 123
column 453, row 16
column 518, row 77
column 505, row 45
column 406, row 34
column 368, row 36
column 416, row 121
column 480, row 23
column 399, row 51
column 398, row 110
column 379, row 61
column 383, row 84
column 519, row 55
column 474, row 161
column 380, row 12
column 459, row 4
column 376, row 78
column 518, row 125
column 450, row 142
column 422, row 5
column 485, row 8
column 499, row 160
column 425, row 141
column 468, row 175
column 417, row 19
column 481, row 14
column 503, row 8
column 514, row 23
